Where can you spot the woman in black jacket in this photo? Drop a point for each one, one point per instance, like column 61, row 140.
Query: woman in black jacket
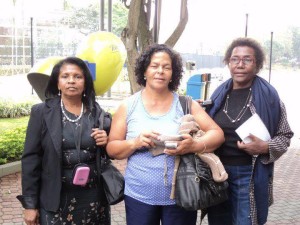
column 62, row 136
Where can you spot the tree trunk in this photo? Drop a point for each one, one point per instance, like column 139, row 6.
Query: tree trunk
column 137, row 35
column 129, row 38
column 172, row 40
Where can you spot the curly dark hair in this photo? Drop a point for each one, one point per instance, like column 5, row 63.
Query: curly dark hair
column 144, row 60
column 89, row 91
column 251, row 43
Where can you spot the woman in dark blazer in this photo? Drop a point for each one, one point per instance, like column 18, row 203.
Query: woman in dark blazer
column 62, row 135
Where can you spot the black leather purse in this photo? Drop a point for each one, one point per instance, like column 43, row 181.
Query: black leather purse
column 110, row 178
column 112, row 181
column 195, row 186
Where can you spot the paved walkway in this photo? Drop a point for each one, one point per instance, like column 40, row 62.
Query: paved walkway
column 284, row 211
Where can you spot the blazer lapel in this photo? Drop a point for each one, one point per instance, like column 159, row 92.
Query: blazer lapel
column 53, row 122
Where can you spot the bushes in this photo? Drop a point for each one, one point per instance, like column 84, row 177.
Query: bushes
column 12, row 144
column 12, row 135
column 10, row 109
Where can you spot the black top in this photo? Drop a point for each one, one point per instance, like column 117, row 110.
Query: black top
column 75, row 134
column 229, row 152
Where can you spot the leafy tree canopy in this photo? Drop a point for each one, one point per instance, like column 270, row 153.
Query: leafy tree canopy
column 87, row 19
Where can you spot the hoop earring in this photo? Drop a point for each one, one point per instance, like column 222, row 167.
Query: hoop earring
column 59, row 93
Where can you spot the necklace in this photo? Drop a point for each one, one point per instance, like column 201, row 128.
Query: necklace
column 243, row 110
column 68, row 118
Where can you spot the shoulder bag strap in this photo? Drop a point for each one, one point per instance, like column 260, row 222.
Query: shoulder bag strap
column 100, row 150
column 186, row 103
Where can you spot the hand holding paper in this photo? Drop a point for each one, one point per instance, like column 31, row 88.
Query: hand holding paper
column 254, row 125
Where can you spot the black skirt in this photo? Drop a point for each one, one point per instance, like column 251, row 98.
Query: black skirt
column 78, row 206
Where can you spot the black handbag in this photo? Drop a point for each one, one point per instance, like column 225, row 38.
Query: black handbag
column 195, row 187
column 111, row 179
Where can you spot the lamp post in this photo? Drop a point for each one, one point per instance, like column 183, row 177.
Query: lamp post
column 101, row 15
column 109, row 23
column 270, row 64
column 246, row 29
column 31, row 46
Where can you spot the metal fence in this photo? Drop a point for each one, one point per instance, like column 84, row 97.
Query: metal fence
column 25, row 40
column 21, row 45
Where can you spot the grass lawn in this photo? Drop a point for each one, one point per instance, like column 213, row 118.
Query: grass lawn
column 10, row 123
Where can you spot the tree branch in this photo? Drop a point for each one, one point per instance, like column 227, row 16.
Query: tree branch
column 174, row 37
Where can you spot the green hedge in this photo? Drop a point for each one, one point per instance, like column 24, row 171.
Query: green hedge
column 10, row 109
column 12, row 135
column 12, row 144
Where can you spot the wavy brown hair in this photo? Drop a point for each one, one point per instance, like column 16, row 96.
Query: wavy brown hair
column 144, row 60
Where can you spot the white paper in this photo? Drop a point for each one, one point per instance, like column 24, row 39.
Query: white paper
column 254, row 125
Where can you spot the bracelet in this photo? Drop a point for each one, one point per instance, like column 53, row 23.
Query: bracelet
column 204, row 149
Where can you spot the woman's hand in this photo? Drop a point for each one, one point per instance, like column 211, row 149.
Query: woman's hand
column 200, row 101
column 183, row 147
column 100, row 136
column 31, row 216
column 145, row 139
column 255, row 147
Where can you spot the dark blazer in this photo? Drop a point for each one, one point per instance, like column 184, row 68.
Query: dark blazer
column 42, row 156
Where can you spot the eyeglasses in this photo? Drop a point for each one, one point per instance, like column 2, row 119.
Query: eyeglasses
column 237, row 60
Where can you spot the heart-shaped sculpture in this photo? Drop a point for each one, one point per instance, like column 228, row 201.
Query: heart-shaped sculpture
column 38, row 75
column 104, row 53
column 107, row 51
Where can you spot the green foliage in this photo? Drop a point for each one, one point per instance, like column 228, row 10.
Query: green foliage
column 84, row 19
column 10, row 123
column 278, row 50
column 13, row 123
column 285, row 48
column 12, row 144
column 11, row 109
column 296, row 43
column 87, row 19
column 119, row 18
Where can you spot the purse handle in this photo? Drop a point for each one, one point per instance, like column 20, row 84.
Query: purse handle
column 186, row 103
column 101, row 149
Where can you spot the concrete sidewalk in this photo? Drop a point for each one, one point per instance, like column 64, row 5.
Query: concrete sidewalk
column 284, row 211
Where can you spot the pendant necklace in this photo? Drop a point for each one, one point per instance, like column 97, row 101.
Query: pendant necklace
column 65, row 114
column 243, row 110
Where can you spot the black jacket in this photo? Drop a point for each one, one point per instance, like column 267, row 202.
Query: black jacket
column 42, row 156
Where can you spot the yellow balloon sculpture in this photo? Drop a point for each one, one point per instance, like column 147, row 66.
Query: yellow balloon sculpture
column 102, row 50
column 107, row 51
